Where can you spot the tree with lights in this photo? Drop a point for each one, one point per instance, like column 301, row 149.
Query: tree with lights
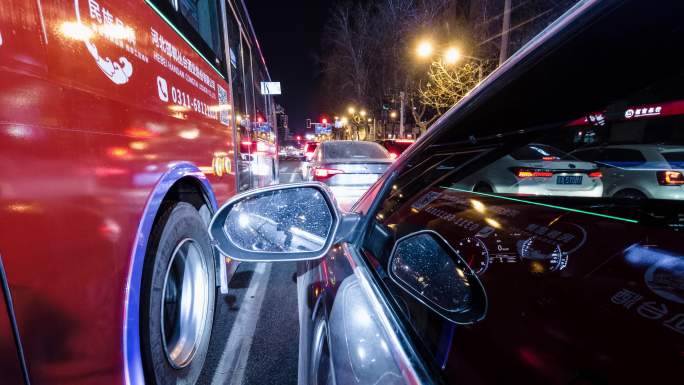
column 444, row 86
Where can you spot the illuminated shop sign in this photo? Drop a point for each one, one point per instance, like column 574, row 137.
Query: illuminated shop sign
column 642, row 112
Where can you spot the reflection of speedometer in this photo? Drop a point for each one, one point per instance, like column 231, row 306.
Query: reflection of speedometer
column 475, row 253
column 543, row 256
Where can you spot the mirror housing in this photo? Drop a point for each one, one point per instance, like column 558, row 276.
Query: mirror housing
column 425, row 266
column 294, row 222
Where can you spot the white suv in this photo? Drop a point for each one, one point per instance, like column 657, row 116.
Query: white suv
column 639, row 171
column 538, row 169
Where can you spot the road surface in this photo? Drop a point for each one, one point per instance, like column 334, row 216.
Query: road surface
column 256, row 330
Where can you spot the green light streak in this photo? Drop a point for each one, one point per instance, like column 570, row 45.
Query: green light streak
column 543, row 205
column 184, row 38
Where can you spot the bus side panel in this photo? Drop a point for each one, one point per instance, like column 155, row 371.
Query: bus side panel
column 91, row 117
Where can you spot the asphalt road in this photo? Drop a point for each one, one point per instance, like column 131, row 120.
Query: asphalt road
column 256, row 330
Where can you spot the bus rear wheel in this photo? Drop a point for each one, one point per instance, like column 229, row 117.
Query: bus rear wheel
column 178, row 297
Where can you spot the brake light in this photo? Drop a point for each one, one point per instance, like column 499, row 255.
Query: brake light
column 325, row 173
column 595, row 174
column 670, row 178
column 393, row 155
column 550, row 158
column 530, row 173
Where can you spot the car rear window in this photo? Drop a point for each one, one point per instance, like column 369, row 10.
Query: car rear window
column 675, row 159
column 354, row 150
column 540, row 152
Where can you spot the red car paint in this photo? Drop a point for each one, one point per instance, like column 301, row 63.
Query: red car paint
column 90, row 119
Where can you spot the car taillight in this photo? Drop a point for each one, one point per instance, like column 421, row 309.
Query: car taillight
column 530, row 173
column 550, row 158
column 670, row 178
column 393, row 155
column 325, row 173
column 595, row 174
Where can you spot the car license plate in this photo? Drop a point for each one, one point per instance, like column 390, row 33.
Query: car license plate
column 569, row 179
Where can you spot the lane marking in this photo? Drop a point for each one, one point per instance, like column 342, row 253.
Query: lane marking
column 233, row 362
column 292, row 177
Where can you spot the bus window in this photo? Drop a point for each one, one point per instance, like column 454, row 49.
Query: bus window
column 202, row 15
column 199, row 22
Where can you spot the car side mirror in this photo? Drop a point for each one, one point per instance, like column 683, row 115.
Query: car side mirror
column 424, row 265
column 293, row 222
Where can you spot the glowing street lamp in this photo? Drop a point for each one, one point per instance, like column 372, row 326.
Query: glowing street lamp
column 351, row 110
column 393, row 114
column 425, row 49
column 363, row 112
column 452, row 55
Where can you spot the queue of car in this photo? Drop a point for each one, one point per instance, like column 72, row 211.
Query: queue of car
column 506, row 245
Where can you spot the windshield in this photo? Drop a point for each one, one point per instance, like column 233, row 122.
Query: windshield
column 354, row 150
column 580, row 213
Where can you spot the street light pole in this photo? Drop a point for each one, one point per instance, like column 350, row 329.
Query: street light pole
column 503, row 52
column 402, row 96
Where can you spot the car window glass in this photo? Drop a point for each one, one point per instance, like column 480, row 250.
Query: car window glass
column 574, row 234
column 621, row 157
column 354, row 150
column 675, row 158
column 588, row 155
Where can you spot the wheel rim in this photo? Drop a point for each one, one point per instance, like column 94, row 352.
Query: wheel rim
column 185, row 303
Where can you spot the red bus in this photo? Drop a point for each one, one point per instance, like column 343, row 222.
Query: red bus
column 117, row 141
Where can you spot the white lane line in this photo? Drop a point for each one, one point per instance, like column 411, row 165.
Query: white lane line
column 292, row 177
column 231, row 367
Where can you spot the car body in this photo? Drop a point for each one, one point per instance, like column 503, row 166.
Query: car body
column 396, row 146
column 538, row 169
column 115, row 127
column 639, row 171
column 425, row 281
column 348, row 167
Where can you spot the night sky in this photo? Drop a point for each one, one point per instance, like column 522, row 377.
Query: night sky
column 289, row 34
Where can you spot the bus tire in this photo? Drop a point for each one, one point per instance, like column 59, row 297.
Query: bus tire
column 179, row 257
